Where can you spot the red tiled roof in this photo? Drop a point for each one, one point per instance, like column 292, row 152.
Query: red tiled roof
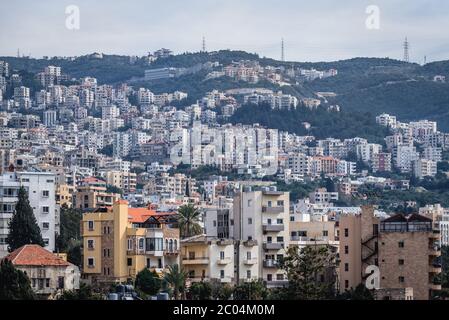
column 35, row 255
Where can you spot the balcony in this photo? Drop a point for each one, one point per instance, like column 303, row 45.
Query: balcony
column 250, row 243
column 435, row 234
column 195, row 261
column 270, row 263
column 250, row 262
column 434, row 251
column 273, row 227
column 435, row 269
column 273, row 246
column 224, row 261
column 433, row 286
column 275, row 210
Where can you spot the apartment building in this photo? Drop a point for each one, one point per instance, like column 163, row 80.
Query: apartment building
column 261, row 217
column 41, row 193
column 126, row 181
column 405, row 248
column 119, row 242
column 381, row 162
column 322, row 196
column 92, row 194
column 409, row 248
column 206, row 258
column 424, row 168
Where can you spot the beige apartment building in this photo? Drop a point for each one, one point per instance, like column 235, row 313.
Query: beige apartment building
column 262, row 217
column 127, row 181
column 92, row 194
column 119, row 242
column 208, row 259
column 405, row 248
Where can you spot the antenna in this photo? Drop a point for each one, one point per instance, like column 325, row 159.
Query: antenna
column 204, row 44
column 425, row 60
column 18, row 53
column 282, row 50
column 406, row 50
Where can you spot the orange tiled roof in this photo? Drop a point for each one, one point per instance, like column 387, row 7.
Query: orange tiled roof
column 35, row 255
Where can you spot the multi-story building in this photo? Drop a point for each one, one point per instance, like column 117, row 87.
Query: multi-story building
column 208, row 259
column 92, row 193
column 408, row 255
column 424, row 168
column 261, row 218
column 119, row 242
column 41, row 194
column 381, row 162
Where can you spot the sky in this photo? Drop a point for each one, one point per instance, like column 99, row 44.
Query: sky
column 318, row 30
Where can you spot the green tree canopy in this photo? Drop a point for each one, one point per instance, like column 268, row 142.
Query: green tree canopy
column 23, row 228
column 175, row 278
column 254, row 290
column 148, row 282
column 14, row 283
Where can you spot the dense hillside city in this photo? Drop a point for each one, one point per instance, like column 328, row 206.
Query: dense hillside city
column 217, row 175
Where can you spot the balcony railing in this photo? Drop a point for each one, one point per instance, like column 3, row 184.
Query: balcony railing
column 195, row 260
column 270, row 263
column 273, row 245
column 273, row 227
column 224, row 261
column 266, row 209
column 250, row 262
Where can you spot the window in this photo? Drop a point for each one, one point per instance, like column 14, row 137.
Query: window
column 141, row 243
column 222, row 274
column 90, row 262
column 130, row 244
column 325, row 233
column 279, row 221
column 248, row 255
column 154, row 244
column 401, row 262
column 292, row 218
column 346, row 284
column 90, row 225
column 45, row 209
column 280, row 203
column 45, row 225
column 401, row 279
column 250, row 202
column 279, row 277
column 222, row 255
column 401, row 244
column 269, row 204
column 250, row 221
column 45, row 193
column 346, row 267
column 90, row 244
column 269, row 277
column 130, row 262
column 104, row 252
column 60, row 282
column 248, row 274
column 280, row 239
column 148, row 263
column 46, row 242
column 47, row 283
column 346, row 232
column 346, row 250
column 215, row 223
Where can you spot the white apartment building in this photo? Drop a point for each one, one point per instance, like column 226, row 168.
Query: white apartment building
column 423, row 128
column 424, row 168
column 444, row 228
column 110, row 112
column 346, row 168
column 433, row 153
column 299, row 163
column 386, row 120
column 322, row 196
column 41, row 194
column 261, row 219
column 50, row 118
column 365, row 152
column 403, row 157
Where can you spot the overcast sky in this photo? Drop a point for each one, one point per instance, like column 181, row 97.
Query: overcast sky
column 318, row 30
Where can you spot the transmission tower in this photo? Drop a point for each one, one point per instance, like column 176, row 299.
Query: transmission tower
column 406, row 50
column 204, row 44
column 282, row 50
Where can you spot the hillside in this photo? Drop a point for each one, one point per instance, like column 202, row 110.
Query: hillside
column 373, row 85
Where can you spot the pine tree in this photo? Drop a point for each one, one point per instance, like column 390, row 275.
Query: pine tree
column 14, row 284
column 23, row 227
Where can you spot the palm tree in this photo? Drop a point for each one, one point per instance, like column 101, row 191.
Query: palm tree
column 176, row 278
column 188, row 218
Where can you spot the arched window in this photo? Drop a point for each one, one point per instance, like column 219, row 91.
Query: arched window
column 166, row 244
column 175, row 245
column 171, row 245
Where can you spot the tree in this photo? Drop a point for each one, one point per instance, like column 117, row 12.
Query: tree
column 23, row 228
column 85, row 292
column 200, row 291
column 310, row 272
column 254, row 290
column 188, row 218
column 221, row 291
column 176, row 277
column 70, row 235
column 361, row 292
column 14, row 283
column 148, row 282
